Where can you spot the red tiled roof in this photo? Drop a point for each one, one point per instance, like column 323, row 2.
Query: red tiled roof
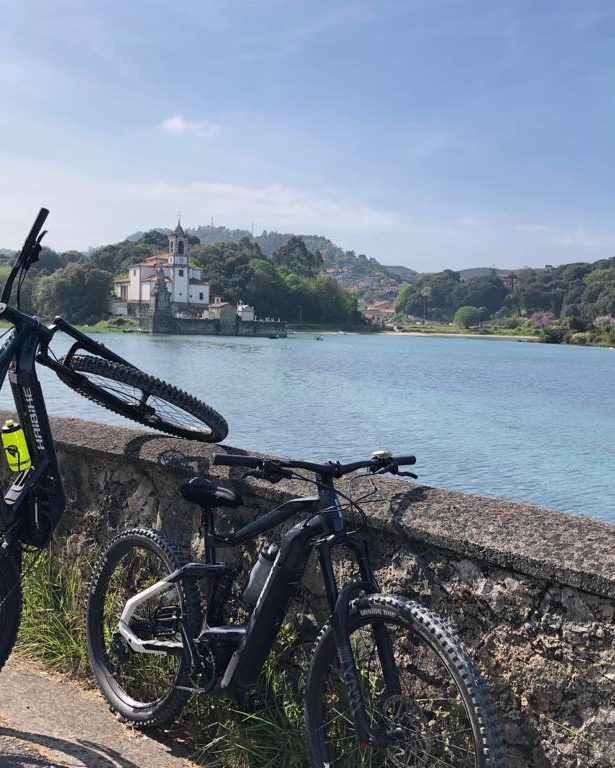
column 151, row 261
column 151, row 278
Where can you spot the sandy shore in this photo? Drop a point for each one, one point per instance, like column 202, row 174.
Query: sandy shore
column 462, row 335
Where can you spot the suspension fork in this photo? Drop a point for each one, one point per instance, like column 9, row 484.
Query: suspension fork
column 384, row 645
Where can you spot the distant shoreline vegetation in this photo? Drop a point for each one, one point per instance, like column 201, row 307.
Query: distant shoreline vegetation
column 312, row 282
column 572, row 303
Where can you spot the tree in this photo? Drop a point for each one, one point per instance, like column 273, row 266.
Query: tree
column 295, row 257
column 77, row 291
column 266, row 290
column 226, row 266
column 467, row 317
column 487, row 292
column 434, row 296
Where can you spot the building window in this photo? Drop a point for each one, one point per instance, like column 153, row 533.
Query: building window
column 201, row 296
column 180, row 247
column 181, row 272
column 134, row 272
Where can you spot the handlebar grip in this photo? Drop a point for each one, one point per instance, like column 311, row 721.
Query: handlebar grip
column 234, row 460
column 404, row 460
column 37, row 226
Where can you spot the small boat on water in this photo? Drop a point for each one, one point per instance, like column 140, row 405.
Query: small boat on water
column 273, row 336
column 319, row 338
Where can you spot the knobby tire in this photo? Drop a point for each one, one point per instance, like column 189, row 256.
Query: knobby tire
column 11, row 599
column 210, row 426
column 141, row 713
column 422, row 629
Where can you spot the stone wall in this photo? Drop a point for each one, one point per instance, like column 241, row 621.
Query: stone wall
column 191, row 326
column 530, row 591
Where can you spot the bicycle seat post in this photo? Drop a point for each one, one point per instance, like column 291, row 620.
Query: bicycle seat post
column 208, row 527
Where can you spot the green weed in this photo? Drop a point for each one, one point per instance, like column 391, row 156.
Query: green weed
column 52, row 628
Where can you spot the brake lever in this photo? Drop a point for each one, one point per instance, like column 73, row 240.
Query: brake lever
column 393, row 469
column 271, row 473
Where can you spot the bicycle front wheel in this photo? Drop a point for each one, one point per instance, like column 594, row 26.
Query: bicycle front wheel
column 143, row 398
column 11, row 599
column 437, row 712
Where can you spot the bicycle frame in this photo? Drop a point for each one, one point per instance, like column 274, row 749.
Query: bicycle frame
column 322, row 529
column 36, row 495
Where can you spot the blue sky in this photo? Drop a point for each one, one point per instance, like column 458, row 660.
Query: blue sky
column 436, row 133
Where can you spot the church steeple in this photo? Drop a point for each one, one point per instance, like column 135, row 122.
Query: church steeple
column 178, row 246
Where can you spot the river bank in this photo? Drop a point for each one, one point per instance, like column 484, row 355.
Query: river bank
column 464, row 335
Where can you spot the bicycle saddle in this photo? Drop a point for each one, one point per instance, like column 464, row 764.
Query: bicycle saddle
column 208, row 495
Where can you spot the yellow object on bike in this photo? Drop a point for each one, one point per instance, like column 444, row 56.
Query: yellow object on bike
column 15, row 447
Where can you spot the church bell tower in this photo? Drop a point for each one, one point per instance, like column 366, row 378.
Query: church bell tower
column 178, row 247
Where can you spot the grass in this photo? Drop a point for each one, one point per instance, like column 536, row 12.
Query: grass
column 52, row 628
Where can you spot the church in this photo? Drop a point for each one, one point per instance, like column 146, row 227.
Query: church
column 189, row 292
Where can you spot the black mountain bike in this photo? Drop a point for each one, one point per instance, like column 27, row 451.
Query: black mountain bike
column 388, row 684
column 32, row 506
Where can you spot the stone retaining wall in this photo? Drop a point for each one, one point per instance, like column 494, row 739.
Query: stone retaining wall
column 530, row 591
column 192, row 326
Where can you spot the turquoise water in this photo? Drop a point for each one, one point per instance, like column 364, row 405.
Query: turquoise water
column 530, row 422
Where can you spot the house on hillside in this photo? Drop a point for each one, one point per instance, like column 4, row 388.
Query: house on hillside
column 189, row 292
column 379, row 313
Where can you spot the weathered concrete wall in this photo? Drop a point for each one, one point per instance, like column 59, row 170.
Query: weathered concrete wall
column 530, row 591
column 192, row 326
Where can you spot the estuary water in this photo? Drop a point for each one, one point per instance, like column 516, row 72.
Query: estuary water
column 530, row 422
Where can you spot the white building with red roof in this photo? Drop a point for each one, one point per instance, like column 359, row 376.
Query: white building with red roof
column 189, row 292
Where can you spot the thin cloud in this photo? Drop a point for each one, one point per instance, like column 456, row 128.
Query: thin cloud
column 274, row 207
column 533, row 227
column 178, row 125
column 585, row 240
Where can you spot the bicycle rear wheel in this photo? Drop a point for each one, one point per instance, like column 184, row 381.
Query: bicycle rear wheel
column 143, row 398
column 439, row 715
column 11, row 599
column 148, row 689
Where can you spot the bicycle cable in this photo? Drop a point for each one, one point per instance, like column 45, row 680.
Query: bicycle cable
column 363, row 525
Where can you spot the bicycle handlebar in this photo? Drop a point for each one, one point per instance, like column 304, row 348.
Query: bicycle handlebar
column 334, row 469
column 28, row 254
column 33, row 236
